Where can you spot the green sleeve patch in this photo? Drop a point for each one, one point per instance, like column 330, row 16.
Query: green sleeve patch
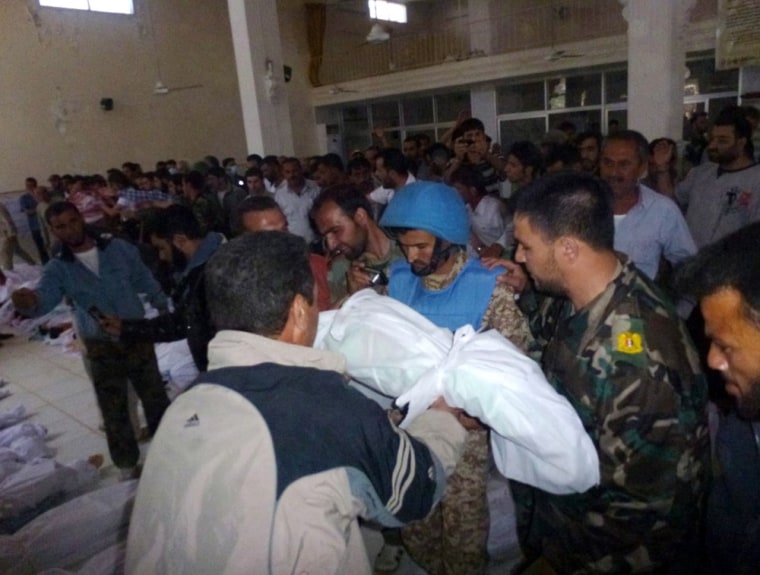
column 628, row 344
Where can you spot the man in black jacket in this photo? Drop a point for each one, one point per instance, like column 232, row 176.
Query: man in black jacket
column 177, row 237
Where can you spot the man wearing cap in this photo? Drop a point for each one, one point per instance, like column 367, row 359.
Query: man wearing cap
column 431, row 226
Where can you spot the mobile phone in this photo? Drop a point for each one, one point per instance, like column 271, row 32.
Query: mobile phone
column 376, row 277
column 96, row 313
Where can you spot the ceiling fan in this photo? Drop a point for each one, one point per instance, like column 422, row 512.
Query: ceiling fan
column 555, row 55
column 335, row 90
column 161, row 89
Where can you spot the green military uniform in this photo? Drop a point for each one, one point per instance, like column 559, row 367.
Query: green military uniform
column 208, row 211
column 628, row 367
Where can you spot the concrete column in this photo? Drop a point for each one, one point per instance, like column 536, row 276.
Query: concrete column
column 479, row 17
column 258, row 59
column 656, row 60
column 483, row 107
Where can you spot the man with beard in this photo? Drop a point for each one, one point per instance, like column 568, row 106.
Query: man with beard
column 648, row 225
column 725, row 276
column 615, row 348
column 431, row 226
column 589, row 146
column 176, row 235
column 103, row 275
column 723, row 195
column 343, row 217
column 392, row 169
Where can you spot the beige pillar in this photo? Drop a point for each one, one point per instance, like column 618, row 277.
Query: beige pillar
column 656, row 60
column 258, row 58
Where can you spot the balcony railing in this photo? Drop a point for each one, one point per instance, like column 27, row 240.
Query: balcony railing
column 509, row 31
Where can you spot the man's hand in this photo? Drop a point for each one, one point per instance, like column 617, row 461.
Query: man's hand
column 490, row 252
column 24, row 298
column 357, row 277
column 515, row 276
column 469, row 423
column 111, row 325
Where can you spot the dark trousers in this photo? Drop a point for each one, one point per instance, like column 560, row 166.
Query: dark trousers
column 40, row 243
column 112, row 366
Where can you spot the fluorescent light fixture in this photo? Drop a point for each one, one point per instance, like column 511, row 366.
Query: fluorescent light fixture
column 387, row 11
column 112, row 6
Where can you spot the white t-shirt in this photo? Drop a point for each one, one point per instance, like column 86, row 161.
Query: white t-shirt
column 90, row 259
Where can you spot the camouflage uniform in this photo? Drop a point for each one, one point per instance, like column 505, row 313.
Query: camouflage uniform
column 626, row 364
column 453, row 538
column 208, row 212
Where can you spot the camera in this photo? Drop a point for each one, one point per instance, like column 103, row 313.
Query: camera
column 376, row 277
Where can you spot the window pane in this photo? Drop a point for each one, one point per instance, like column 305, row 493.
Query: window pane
column 355, row 128
column 76, row 4
column 417, row 111
column 511, row 131
column 715, row 105
column 520, row 98
column 704, row 79
column 448, row 106
column 114, row 6
column 575, row 91
column 616, row 86
column 585, row 90
column 619, row 116
column 385, row 114
column 583, row 121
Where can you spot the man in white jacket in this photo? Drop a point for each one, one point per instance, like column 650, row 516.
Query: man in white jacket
column 283, row 497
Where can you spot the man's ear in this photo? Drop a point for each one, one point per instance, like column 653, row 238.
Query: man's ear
column 361, row 216
column 567, row 249
column 298, row 317
column 179, row 241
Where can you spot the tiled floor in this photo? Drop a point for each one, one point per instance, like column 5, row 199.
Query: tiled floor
column 57, row 393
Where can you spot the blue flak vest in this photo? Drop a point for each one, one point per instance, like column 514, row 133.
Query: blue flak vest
column 464, row 301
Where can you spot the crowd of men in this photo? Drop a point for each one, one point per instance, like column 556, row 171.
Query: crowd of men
column 591, row 264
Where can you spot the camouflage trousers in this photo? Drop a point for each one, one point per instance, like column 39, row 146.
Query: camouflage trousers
column 111, row 366
column 453, row 539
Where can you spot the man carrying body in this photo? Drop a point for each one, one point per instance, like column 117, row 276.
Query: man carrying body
column 431, row 226
column 648, row 225
column 343, row 216
column 103, row 275
column 723, row 195
column 337, row 454
column 618, row 352
column 725, row 277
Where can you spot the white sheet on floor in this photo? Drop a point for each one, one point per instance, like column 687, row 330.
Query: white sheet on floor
column 67, row 535
column 537, row 437
column 12, row 416
column 8, row 435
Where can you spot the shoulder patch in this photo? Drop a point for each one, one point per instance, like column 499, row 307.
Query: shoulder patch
column 629, row 342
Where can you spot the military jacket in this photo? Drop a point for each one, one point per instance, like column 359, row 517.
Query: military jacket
column 627, row 365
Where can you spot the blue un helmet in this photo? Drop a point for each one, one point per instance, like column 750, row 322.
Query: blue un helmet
column 431, row 207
